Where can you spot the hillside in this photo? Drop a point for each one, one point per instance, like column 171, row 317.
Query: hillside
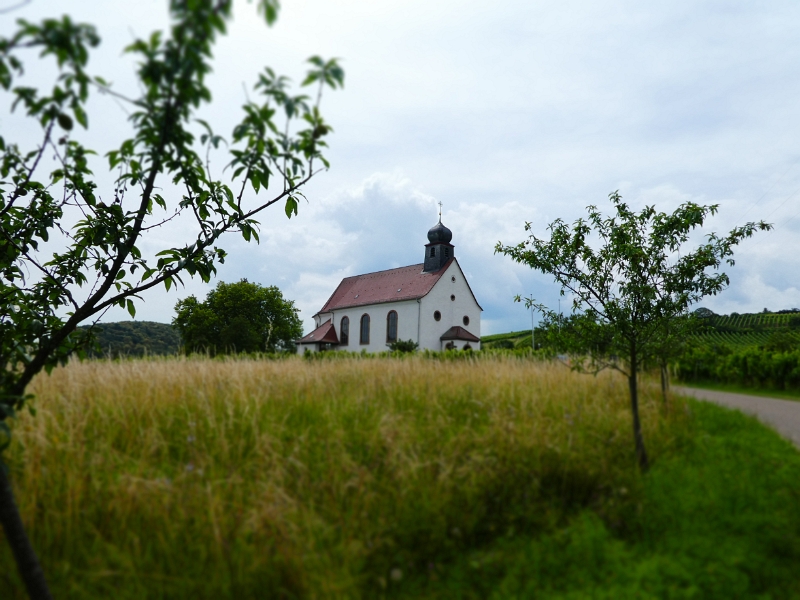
column 735, row 331
column 136, row 338
column 510, row 340
column 764, row 329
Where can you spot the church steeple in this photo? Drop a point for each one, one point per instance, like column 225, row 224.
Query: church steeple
column 438, row 250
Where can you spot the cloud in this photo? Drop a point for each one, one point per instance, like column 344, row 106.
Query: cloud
column 506, row 113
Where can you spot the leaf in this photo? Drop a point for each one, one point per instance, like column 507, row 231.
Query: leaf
column 131, row 308
column 291, row 206
column 269, row 8
column 80, row 115
column 65, row 122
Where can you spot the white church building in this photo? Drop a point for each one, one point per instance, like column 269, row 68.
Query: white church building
column 429, row 303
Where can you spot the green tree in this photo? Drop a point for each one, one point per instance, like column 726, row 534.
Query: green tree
column 238, row 317
column 67, row 254
column 631, row 294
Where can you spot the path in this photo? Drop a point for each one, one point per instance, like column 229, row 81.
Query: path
column 782, row 415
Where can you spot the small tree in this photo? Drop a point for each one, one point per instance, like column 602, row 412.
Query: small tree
column 632, row 293
column 238, row 317
column 68, row 253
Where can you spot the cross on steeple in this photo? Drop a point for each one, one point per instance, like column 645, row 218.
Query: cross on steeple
column 440, row 211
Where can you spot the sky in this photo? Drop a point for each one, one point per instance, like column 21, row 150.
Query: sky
column 505, row 112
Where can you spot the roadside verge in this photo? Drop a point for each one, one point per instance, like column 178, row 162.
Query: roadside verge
column 782, row 415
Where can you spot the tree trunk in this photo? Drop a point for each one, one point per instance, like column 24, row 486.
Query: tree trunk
column 641, row 453
column 27, row 562
column 664, row 382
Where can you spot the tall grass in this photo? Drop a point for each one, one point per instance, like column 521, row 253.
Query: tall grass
column 320, row 479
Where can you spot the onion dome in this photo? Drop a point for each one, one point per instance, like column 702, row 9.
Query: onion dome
column 439, row 234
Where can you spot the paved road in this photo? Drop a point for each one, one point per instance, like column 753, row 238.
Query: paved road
column 782, row 415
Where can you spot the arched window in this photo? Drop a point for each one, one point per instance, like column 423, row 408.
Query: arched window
column 391, row 327
column 433, row 252
column 364, row 329
column 437, row 316
column 344, row 331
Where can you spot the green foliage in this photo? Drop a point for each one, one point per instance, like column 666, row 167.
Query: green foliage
column 238, row 317
column 765, row 367
column 630, row 294
column 134, row 338
column 404, row 346
column 276, row 148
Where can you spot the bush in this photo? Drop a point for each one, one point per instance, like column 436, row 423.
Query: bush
column 747, row 367
column 403, row 346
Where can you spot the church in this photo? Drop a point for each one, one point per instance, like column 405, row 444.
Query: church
column 429, row 303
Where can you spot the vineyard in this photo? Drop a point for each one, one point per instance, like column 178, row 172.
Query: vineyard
column 759, row 351
column 745, row 339
column 755, row 330
column 767, row 331
column 756, row 321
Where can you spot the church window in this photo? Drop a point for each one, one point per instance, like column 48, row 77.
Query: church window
column 433, row 252
column 465, row 320
column 453, row 297
column 446, row 252
column 344, row 331
column 437, row 316
column 453, row 279
column 364, row 329
column 391, row 326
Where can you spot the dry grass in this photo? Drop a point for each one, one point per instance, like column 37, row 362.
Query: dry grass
column 209, row 478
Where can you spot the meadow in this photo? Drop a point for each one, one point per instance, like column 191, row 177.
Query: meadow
column 495, row 477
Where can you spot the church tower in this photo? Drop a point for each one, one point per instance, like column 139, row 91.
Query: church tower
column 438, row 250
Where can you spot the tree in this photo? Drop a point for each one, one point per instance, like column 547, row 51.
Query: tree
column 238, row 317
column 632, row 293
column 68, row 253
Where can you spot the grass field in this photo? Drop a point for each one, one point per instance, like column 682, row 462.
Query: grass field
column 412, row 478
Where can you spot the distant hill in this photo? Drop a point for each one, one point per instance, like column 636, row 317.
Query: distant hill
column 735, row 330
column 772, row 330
column 513, row 339
column 136, row 338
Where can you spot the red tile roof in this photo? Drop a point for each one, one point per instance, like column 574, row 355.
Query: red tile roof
column 459, row 333
column 405, row 283
column 325, row 333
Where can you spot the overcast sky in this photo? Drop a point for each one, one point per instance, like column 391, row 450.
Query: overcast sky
column 506, row 112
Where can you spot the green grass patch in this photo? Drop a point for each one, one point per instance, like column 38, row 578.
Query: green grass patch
column 479, row 478
column 717, row 518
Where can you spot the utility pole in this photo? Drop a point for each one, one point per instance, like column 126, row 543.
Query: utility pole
column 533, row 346
column 559, row 315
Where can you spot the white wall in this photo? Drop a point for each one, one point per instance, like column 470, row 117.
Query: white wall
column 453, row 311
column 407, row 313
